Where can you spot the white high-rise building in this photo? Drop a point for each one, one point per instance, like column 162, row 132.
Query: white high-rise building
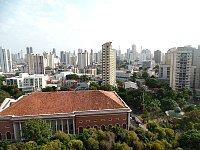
column 83, row 59
column 108, row 64
column 180, row 67
column 5, row 60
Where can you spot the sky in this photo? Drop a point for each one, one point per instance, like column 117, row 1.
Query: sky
column 68, row 25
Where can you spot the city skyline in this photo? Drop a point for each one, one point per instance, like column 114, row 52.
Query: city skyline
column 70, row 25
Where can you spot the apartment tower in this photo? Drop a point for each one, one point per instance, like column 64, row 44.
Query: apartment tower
column 108, row 64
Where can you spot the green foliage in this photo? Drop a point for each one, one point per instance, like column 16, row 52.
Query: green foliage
column 31, row 145
column 77, row 144
column 54, row 145
column 62, row 136
column 72, row 77
column 152, row 82
column 92, row 144
column 190, row 139
column 37, row 130
column 108, row 87
column 64, row 88
column 4, row 145
column 121, row 146
column 3, row 95
column 94, row 86
column 48, row 89
column 145, row 75
column 84, row 78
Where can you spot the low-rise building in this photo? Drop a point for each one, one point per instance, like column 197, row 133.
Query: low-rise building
column 28, row 82
column 68, row 111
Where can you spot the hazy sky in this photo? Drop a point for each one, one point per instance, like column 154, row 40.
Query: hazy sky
column 87, row 24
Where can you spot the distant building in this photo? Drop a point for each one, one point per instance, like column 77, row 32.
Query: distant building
column 157, row 56
column 180, row 67
column 83, row 59
column 70, row 112
column 164, row 71
column 5, row 60
column 108, row 64
column 28, row 83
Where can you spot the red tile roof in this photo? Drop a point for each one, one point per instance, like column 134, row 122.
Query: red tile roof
column 64, row 102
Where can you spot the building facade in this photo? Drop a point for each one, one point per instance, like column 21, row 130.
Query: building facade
column 5, row 60
column 157, row 56
column 108, row 64
column 180, row 67
column 70, row 112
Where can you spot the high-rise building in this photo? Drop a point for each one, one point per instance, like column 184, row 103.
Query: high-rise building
column 83, row 59
column 157, row 56
column 134, row 57
column 91, row 57
column 108, row 64
column 35, row 62
column 180, row 67
column 5, row 60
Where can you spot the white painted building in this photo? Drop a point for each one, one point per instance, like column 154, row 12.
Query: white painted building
column 5, row 60
column 28, row 82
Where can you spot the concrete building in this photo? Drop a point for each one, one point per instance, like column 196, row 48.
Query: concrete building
column 35, row 62
column 180, row 67
column 67, row 111
column 28, row 83
column 108, row 64
column 164, row 72
column 83, row 58
column 5, row 60
column 157, row 56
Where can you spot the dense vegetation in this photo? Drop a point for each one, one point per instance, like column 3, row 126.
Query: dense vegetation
column 8, row 91
column 157, row 137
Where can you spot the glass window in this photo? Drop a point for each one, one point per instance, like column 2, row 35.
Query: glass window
column 8, row 136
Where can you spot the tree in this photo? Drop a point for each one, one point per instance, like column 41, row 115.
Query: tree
column 54, row 145
column 121, row 146
column 72, row 77
column 108, row 87
column 145, row 75
column 152, row 82
column 31, row 145
column 94, row 86
column 3, row 95
column 48, row 89
column 76, row 144
column 92, row 144
column 133, row 77
column 190, row 139
column 37, row 130
column 85, row 78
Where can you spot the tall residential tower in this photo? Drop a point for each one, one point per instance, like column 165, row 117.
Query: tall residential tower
column 108, row 64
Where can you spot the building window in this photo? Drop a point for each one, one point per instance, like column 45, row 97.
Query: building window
column 80, row 130
column 87, row 121
column 103, row 128
column 124, row 126
column 110, row 126
column 124, row 118
column 103, row 120
column 88, row 127
column 0, row 136
column 117, row 125
column 117, row 118
column 96, row 127
column 80, row 121
column 8, row 136
column 110, row 119
column 95, row 120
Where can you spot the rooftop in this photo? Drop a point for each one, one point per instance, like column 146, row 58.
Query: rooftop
column 40, row 103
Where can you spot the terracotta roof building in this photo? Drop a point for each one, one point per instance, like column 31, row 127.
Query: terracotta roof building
column 69, row 111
